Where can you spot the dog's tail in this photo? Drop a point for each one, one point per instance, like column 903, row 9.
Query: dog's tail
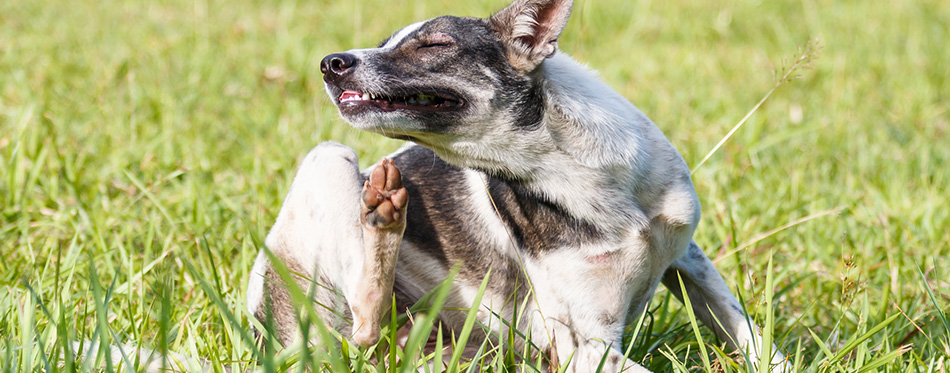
column 137, row 358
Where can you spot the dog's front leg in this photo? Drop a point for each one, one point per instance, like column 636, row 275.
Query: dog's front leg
column 588, row 354
column 708, row 292
column 582, row 302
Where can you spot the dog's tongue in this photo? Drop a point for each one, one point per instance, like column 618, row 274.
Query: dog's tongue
column 350, row 94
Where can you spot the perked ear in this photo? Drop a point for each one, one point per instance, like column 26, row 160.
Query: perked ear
column 529, row 30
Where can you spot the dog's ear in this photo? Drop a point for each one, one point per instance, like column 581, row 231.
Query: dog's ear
column 529, row 30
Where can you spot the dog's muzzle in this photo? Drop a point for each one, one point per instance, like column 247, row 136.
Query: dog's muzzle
column 353, row 98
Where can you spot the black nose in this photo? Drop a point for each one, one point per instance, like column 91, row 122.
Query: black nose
column 337, row 64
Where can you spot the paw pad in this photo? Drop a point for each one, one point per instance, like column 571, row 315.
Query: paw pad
column 384, row 198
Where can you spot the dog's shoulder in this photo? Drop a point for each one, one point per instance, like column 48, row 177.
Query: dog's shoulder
column 594, row 123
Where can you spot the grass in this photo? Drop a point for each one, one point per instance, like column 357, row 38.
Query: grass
column 145, row 148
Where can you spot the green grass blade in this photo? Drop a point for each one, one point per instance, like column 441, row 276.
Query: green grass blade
column 942, row 315
column 221, row 305
column 393, row 329
column 694, row 324
column 421, row 330
column 479, row 356
column 469, row 323
column 437, row 359
column 882, row 360
column 769, row 328
column 850, row 346
column 38, row 337
column 822, row 345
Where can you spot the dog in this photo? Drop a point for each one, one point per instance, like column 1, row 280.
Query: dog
column 520, row 163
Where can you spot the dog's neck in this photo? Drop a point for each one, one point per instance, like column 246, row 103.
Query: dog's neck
column 587, row 154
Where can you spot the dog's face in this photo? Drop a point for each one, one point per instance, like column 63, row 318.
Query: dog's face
column 425, row 82
column 450, row 80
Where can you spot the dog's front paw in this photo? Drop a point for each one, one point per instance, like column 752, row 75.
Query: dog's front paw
column 384, row 198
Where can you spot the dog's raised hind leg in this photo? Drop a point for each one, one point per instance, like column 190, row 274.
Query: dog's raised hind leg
column 708, row 292
column 328, row 234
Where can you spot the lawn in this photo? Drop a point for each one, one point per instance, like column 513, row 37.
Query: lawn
column 146, row 146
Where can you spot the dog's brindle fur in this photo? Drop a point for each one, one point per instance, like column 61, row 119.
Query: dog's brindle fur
column 526, row 165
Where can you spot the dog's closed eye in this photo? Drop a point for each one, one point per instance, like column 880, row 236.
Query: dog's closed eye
column 437, row 40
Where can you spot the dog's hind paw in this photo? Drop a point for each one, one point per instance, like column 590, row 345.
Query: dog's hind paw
column 384, row 198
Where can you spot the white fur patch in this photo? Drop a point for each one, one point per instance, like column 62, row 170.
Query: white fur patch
column 401, row 34
column 391, row 43
column 486, row 215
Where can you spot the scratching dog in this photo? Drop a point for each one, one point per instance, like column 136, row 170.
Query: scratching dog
column 519, row 161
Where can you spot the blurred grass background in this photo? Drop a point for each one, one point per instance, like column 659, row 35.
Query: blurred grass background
column 139, row 136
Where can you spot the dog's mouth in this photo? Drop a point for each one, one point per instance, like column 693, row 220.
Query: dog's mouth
column 418, row 102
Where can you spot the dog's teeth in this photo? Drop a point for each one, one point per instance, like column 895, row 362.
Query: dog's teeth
column 424, row 99
column 366, row 96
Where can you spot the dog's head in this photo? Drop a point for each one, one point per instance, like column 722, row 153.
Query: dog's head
column 450, row 80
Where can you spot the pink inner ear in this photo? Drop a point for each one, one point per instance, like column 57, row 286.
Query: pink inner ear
column 547, row 18
column 531, row 29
